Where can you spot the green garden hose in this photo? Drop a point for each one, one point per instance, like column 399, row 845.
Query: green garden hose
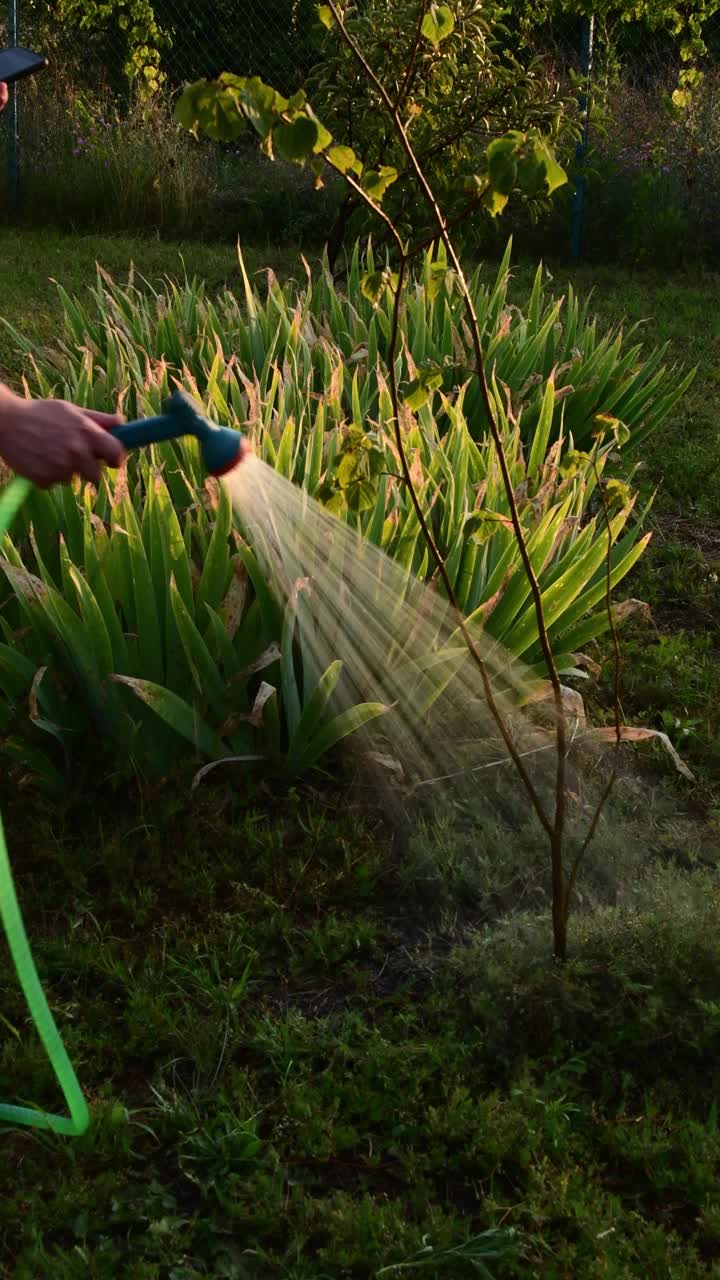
column 222, row 449
column 77, row 1122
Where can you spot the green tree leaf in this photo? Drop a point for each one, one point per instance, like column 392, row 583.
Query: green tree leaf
column 374, row 283
column 573, row 462
column 555, row 175
column 262, row 105
column 618, row 493
column 502, row 164
column 604, row 423
column 344, row 160
column 494, row 202
column 205, row 106
column 421, row 388
column 341, row 726
column 361, row 495
column 377, row 181
column 297, row 140
column 438, row 24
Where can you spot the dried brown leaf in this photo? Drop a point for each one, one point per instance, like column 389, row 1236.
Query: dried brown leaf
column 573, row 706
column 585, row 663
column 32, row 696
column 266, row 659
column 121, row 489
column 483, row 611
column 212, row 489
column 631, row 608
column 300, row 584
column 388, row 763
column 635, row 733
column 416, row 471
column 233, row 606
column 254, row 717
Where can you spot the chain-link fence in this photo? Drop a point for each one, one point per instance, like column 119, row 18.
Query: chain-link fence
column 278, row 40
column 281, row 41
column 94, row 72
column 273, row 39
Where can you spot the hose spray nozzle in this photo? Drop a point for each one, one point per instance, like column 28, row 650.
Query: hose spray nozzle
column 221, row 447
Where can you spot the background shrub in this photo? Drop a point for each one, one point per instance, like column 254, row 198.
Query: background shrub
column 100, row 160
column 652, row 175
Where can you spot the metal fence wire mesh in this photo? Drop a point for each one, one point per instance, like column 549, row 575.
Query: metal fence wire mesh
column 281, row 41
column 275, row 39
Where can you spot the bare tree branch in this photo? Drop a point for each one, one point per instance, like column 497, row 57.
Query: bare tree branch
column 556, row 829
column 616, row 697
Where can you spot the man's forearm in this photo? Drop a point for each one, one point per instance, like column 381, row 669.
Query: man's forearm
column 49, row 441
column 10, row 403
column 7, row 398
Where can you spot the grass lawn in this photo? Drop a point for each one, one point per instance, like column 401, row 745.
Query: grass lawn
column 30, row 260
column 313, row 1055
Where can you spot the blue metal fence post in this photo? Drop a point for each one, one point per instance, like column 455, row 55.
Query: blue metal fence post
column 12, row 114
column 578, row 205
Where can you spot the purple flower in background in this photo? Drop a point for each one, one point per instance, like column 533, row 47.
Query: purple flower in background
column 665, row 168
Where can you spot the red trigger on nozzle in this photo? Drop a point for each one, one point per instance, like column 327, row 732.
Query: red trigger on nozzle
column 242, row 452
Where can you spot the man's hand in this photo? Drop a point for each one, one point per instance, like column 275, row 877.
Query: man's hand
column 50, row 441
column 4, row 94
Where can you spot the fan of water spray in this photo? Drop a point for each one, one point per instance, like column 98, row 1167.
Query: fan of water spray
column 399, row 643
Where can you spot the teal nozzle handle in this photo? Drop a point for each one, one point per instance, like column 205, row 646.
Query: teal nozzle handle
column 221, row 447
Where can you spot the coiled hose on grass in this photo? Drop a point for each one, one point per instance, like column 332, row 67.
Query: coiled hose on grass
column 11, row 917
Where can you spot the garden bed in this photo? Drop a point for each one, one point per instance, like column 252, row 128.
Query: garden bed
column 315, row 1051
